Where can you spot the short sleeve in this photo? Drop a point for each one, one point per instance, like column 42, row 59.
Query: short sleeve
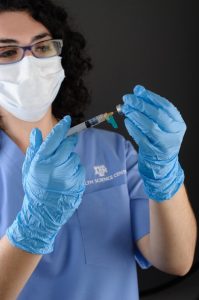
column 139, row 203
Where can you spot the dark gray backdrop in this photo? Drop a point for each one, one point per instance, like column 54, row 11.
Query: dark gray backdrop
column 153, row 43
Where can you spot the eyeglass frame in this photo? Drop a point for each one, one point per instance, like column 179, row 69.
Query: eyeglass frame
column 29, row 47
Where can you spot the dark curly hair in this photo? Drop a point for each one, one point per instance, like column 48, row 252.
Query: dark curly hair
column 73, row 96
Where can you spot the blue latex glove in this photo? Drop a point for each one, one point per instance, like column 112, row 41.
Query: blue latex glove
column 158, row 129
column 53, row 182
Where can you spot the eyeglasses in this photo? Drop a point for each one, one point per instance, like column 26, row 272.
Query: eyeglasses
column 44, row 49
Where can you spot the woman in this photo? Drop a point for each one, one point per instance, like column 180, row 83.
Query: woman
column 74, row 211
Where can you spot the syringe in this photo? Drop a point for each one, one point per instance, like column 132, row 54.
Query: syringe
column 93, row 121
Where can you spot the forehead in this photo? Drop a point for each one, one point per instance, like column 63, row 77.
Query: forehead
column 20, row 26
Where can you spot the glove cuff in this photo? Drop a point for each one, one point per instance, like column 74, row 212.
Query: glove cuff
column 162, row 185
column 29, row 232
column 27, row 243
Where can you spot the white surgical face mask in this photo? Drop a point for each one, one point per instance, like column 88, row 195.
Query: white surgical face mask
column 28, row 88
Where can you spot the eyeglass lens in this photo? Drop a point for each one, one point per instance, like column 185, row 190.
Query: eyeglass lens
column 11, row 54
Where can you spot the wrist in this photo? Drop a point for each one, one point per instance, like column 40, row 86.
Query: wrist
column 162, row 179
column 30, row 231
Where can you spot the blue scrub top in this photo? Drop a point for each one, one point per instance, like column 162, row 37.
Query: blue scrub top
column 95, row 255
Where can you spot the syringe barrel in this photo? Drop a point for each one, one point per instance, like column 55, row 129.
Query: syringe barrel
column 76, row 129
column 95, row 120
column 89, row 123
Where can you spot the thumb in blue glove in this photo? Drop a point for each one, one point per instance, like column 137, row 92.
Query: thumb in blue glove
column 35, row 143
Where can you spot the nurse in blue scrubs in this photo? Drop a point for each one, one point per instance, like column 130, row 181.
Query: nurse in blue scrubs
column 77, row 213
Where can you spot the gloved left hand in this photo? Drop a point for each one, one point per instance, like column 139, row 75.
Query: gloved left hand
column 53, row 181
column 158, row 129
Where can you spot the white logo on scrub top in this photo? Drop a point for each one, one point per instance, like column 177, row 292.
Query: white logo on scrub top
column 100, row 170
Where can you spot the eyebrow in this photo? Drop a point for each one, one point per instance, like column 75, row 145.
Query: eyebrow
column 34, row 39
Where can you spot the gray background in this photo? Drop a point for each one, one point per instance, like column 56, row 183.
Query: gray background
column 153, row 43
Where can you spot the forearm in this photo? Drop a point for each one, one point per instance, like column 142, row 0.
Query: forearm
column 16, row 266
column 173, row 233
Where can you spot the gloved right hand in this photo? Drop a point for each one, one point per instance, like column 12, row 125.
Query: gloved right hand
column 53, row 182
column 158, row 128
